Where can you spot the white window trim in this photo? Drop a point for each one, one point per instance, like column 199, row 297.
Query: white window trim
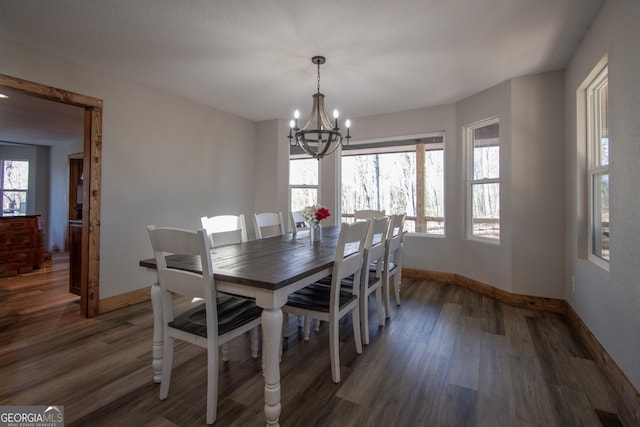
column 593, row 84
column 467, row 132
column 303, row 186
column 14, row 190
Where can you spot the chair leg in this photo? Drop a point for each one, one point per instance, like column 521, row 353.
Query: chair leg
column 364, row 316
column 255, row 342
column 166, row 366
column 212, row 385
column 225, row 352
column 379, row 307
column 355, row 316
column 317, row 327
column 307, row 327
column 396, row 286
column 385, row 291
column 334, row 349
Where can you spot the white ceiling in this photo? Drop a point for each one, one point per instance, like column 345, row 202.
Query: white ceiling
column 252, row 57
column 26, row 119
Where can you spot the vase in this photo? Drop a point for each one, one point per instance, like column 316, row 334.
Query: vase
column 316, row 232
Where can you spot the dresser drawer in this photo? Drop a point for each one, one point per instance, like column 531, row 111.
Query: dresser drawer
column 16, row 241
column 20, row 244
column 15, row 224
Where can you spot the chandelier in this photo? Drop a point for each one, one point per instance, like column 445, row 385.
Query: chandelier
column 318, row 137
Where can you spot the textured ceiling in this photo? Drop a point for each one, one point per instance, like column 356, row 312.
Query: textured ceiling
column 252, row 57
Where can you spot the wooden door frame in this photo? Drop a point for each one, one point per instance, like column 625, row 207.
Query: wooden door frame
column 92, row 166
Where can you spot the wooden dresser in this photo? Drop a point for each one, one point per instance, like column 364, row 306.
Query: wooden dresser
column 20, row 244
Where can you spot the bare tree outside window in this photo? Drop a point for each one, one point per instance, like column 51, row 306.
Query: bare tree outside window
column 14, row 186
column 434, row 190
column 374, row 178
column 483, row 140
column 303, row 183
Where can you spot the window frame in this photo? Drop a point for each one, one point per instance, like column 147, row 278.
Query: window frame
column 418, row 145
column 14, row 190
column 469, row 141
column 595, row 169
column 303, row 186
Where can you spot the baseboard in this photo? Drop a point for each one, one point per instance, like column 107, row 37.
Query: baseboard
column 123, row 300
column 517, row 300
column 625, row 391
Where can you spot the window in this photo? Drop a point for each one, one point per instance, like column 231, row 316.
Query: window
column 434, row 189
column 303, row 182
column 483, row 188
column 597, row 93
column 397, row 176
column 14, row 186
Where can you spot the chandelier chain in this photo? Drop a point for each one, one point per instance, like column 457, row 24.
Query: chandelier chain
column 318, row 77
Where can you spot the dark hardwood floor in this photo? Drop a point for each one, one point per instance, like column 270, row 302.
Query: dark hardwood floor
column 447, row 357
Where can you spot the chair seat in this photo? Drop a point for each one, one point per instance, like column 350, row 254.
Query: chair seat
column 347, row 282
column 316, row 297
column 232, row 313
column 374, row 265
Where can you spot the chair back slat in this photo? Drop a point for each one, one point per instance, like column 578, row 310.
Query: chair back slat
column 367, row 214
column 268, row 224
column 375, row 246
column 225, row 229
column 182, row 282
column 396, row 234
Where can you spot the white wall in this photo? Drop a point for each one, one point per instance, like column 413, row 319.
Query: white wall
column 537, row 185
column 271, row 169
column 166, row 160
column 608, row 302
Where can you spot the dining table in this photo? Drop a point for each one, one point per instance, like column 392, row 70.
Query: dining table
column 268, row 270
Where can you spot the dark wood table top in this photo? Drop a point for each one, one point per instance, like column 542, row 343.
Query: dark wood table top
column 270, row 263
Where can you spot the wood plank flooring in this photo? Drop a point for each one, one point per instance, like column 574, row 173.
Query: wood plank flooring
column 447, row 357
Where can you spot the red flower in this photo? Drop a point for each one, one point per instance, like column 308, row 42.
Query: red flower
column 322, row 213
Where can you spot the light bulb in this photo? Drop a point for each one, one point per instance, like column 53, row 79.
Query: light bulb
column 292, row 124
column 335, row 114
column 347, row 123
column 296, row 114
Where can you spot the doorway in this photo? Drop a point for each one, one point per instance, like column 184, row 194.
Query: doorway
column 92, row 168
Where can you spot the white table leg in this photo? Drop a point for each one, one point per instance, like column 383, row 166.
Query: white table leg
column 158, row 339
column 271, row 335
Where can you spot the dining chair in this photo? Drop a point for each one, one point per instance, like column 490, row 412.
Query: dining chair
column 297, row 221
column 331, row 303
column 209, row 325
column 269, row 224
column 225, row 229
column 371, row 281
column 367, row 214
column 392, row 263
